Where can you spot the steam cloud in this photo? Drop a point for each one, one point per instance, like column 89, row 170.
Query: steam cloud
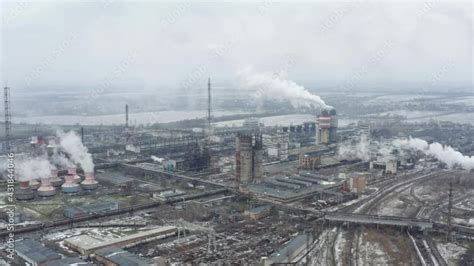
column 445, row 154
column 71, row 143
column 33, row 168
column 157, row 159
column 269, row 86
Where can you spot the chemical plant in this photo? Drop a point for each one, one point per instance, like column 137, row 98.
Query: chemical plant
column 297, row 194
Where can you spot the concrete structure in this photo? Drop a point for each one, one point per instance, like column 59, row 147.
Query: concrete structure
column 308, row 162
column 73, row 172
column 289, row 254
column 46, row 189
column 248, row 158
column 388, row 166
column 69, row 185
column 258, row 212
column 355, row 183
column 69, row 262
column 333, row 126
column 379, row 220
column 324, row 123
column 34, row 252
column 168, row 194
column 117, row 257
column 24, row 192
column 55, row 180
column 89, row 181
column 75, row 212
column 34, row 184
column 86, row 245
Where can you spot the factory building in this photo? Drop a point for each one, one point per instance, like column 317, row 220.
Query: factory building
column 35, row 253
column 355, row 183
column 248, row 158
column 69, row 262
column 116, row 257
column 287, row 254
column 308, row 162
column 86, row 245
column 387, row 166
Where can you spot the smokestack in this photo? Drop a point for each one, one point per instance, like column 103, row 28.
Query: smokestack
column 126, row 115
column 73, row 172
column 55, row 180
column 89, row 181
column 69, row 185
column 82, row 134
column 24, row 192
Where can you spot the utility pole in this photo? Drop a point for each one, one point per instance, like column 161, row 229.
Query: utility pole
column 8, row 128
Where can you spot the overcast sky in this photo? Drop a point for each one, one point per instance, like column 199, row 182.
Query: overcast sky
column 153, row 44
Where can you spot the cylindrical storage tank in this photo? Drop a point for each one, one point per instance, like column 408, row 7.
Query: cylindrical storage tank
column 46, row 189
column 55, row 180
column 73, row 171
column 89, row 181
column 34, row 184
column 69, row 185
column 24, row 192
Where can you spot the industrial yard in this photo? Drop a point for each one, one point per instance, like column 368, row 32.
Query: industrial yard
column 200, row 133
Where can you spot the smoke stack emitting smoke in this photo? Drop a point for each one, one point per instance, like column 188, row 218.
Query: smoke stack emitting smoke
column 71, row 143
column 269, row 86
column 33, row 168
column 445, row 154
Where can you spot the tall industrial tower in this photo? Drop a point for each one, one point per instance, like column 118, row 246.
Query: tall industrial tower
column 126, row 115
column 209, row 115
column 8, row 128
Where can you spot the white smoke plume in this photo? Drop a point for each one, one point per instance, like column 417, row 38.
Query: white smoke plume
column 33, row 168
column 71, row 143
column 274, row 87
column 60, row 160
column 445, row 154
column 157, row 159
column 359, row 150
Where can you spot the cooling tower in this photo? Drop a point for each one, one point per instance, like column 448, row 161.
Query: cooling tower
column 34, row 184
column 69, row 185
column 73, row 171
column 46, row 189
column 55, row 180
column 24, row 192
column 89, row 181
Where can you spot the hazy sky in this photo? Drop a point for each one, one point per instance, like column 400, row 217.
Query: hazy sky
column 152, row 44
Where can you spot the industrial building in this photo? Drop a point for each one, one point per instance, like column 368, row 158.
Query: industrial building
column 86, row 245
column 249, row 158
column 113, row 256
column 291, row 251
column 34, row 253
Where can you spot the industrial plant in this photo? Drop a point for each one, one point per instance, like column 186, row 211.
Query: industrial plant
column 284, row 162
